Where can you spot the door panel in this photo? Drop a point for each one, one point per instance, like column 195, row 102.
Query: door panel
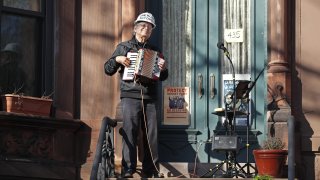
column 189, row 31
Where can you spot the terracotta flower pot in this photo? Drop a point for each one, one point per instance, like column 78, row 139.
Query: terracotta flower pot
column 26, row 104
column 270, row 162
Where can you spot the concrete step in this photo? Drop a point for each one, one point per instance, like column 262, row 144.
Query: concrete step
column 174, row 171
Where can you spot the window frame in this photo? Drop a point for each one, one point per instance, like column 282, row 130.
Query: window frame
column 45, row 54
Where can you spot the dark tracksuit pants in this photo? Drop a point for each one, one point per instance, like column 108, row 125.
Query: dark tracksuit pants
column 132, row 111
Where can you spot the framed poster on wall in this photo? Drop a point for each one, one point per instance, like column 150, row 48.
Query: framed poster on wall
column 176, row 102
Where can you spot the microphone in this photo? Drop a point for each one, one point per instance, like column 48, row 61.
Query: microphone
column 220, row 45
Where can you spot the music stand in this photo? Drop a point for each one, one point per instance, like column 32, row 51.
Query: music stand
column 242, row 89
column 229, row 113
column 242, row 92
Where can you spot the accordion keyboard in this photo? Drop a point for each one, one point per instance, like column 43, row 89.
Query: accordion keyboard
column 129, row 71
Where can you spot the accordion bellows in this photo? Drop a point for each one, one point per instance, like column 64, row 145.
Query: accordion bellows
column 142, row 63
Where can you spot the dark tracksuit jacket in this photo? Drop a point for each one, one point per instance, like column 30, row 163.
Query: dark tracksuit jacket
column 132, row 110
column 127, row 88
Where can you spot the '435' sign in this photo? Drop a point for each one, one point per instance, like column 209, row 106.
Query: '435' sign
column 233, row 35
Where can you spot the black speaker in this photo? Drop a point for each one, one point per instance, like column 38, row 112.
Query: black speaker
column 225, row 142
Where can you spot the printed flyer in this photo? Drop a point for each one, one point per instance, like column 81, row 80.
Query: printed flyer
column 241, row 105
column 176, row 102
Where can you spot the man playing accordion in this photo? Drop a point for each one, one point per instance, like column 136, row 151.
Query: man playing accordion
column 138, row 99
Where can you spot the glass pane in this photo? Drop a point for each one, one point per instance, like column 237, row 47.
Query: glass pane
column 236, row 19
column 33, row 5
column 177, row 49
column 236, row 15
column 20, row 37
column 177, row 30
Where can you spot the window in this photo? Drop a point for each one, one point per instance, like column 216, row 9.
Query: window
column 236, row 15
column 32, row 5
column 176, row 21
column 23, row 40
column 177, row 29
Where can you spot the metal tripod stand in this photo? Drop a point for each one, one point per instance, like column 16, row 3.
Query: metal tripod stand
column 232, row 167
column 248, row 166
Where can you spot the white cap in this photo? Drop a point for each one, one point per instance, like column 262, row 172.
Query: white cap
column 12, row 47
column 146, row 17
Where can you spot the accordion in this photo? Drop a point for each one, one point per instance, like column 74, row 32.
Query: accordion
column 142, row 63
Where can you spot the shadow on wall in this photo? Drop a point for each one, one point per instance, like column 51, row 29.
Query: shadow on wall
column 304, row 164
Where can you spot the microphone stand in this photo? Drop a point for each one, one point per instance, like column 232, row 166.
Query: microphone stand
column 233, row 125
column 233, row 167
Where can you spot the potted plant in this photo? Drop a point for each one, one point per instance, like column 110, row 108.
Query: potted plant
column 18, row 103
column 271, row 158
column 263, row 177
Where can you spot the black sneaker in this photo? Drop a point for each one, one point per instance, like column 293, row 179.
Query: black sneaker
column 128, row 174
column 158, row 175
column 152, row 175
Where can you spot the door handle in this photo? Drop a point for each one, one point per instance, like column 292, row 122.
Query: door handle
column 212, row 85
column 200, row 79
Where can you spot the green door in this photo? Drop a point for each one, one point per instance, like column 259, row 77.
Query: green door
column 189, row 31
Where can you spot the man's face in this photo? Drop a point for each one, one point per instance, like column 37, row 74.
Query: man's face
column 5, row 57
column 143, row 30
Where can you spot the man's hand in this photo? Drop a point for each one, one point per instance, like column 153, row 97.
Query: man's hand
column 162, row 64
column 123, row 60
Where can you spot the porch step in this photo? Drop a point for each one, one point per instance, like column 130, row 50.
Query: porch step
column 171, row 171
column 137, row 176
column 178, row 170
